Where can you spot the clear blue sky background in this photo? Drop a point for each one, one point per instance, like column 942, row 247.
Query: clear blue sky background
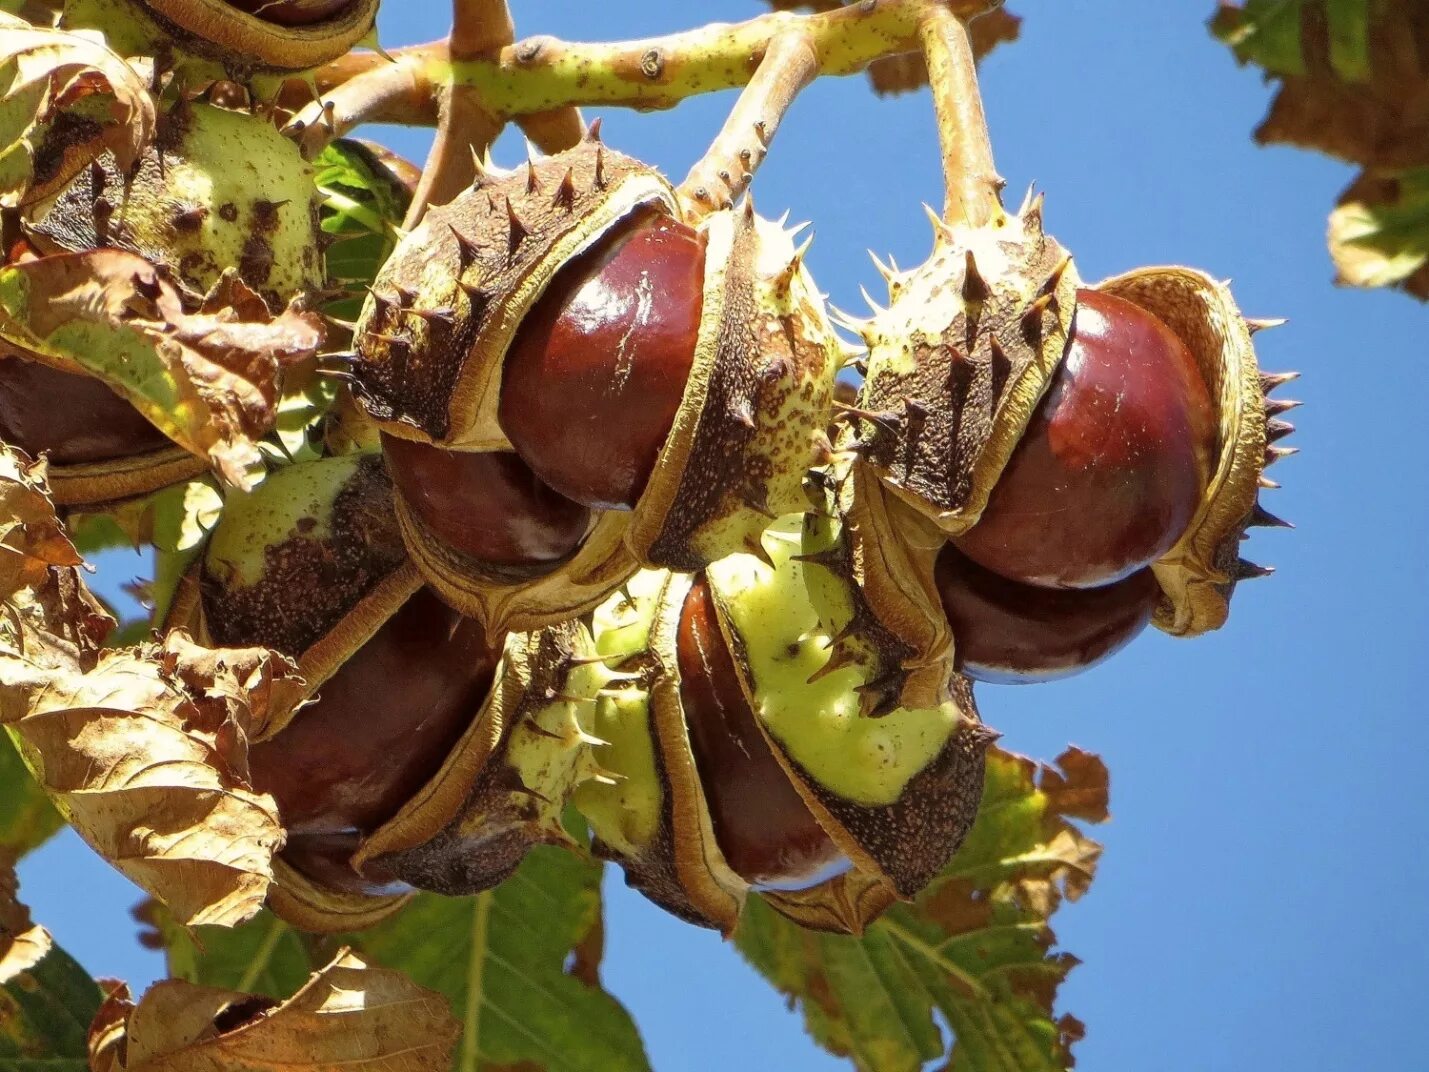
column 1258, row 904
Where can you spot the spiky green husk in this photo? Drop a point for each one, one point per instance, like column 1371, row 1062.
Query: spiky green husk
column 218, row 189
column 959, row 360
column 895, row 793
column 1199, row 574
column 758, row 398
column 309, row 563
column 444, row 308
column 507, row 782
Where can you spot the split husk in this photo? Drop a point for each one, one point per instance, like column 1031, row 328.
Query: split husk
column 896, row 794
column 1199, row 575
column 445, row 308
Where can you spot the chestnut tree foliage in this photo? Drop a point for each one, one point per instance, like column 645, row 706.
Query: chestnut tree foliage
column 1352, row 81
column 245, row 352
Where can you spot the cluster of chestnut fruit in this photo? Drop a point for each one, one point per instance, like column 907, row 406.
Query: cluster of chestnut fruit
column 596, row 531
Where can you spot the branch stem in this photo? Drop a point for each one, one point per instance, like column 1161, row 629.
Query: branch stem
column 466, row 127
column 541, row 73
column 719, row 178
column 973, row 184
column 389, row 92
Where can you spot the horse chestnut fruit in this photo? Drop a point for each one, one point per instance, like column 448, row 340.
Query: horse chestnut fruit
column 1011, row 634
column 326, row 859
column 764, row 829
column 72, row 417
column 382, row 725
column 603, row 356
column 291, row 12
column 488, row 505
column 1113, row 464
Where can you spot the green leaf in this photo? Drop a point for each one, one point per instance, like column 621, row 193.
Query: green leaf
column 1270, row 33
column 500, row 958
column 46, row 999
column 973, row 948
column 263, row 956
column 365, row 191
column 27, row 818
column 1379, row 233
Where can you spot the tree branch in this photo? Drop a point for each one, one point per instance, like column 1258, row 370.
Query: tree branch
column 466, row 127
column 973, row 185
column 727, row 167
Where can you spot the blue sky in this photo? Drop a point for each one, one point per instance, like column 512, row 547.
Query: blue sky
column 1257, row 903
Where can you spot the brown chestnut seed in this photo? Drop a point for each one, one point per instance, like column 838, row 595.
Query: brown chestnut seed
column 326, row 860
column 72, row 417
column 764, row 829
column 291, row 12
column 488, row 505
column 594, row 377
column 382, row 725
column 1014, row 634
column 1112, row 465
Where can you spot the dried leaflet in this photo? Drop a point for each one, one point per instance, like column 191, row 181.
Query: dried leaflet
column 348, row 1016
column 210, row 379
column 1353, row 83
column 143, row 749
column 44, row 74
column 31, row 538
column 22, row 944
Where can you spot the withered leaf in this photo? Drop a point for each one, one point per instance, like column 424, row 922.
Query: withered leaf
column 1353, row 83
column 47, row 75
column 348, row 1016
column 974, row 947
column 144, row 748
column 1379, row 232
column 46, row 999
column 31, row 538
column 210, row 379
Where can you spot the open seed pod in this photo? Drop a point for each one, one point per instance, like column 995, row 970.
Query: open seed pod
column 506, row 784
column 218, row 188
column 281, row 34
column 738, row 390
column 311, row 564
column 745, row 765
column 871, row 560
column 99, row 446
column 1199, row 575
column 960, row 358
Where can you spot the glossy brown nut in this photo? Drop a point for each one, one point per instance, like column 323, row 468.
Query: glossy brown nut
column 593, row 379
column 75, row 418
column 1112, row 465
column 382, row 725
column 490, row 505
column 291, row 12
column 1008, row 633
column 764, row 829
column 327, row 860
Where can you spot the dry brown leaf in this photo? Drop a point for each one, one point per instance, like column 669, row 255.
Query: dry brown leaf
column 349, row 1016
column 1373, row 108
column 1379, row 232
column 144, row 749
column 31, row 538
column 210, row 379
column 22, row 943
column 51, row 71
